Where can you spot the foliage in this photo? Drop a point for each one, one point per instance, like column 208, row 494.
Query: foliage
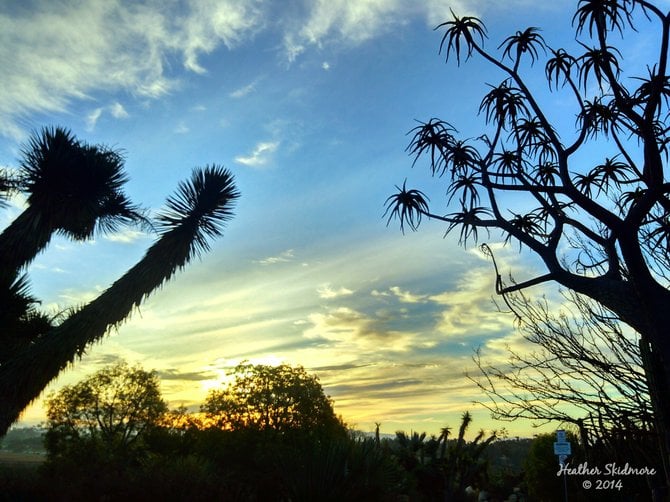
column 542, row 465
column 108, row 413
column 592, row 202
column 442, row 468
column 75, row 189
column 342, row 469
column 278, row 398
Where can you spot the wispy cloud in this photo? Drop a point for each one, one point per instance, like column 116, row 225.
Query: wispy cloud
column 328, row 293
column 352, row 23
column 406, row 296
column 470, row 309
column 92, row 118
column 260, row 155
column 116, row 110
column 351, row 331
column 47, row 63
column 283, row 257
column 244, row 90
column 126, row 236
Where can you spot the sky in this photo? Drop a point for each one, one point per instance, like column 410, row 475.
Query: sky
column 309, row 104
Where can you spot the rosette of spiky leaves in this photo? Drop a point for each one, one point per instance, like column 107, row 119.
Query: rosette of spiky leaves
column 611, row 172
column 529, row 224
column 532, row 138
column 195, row 213
column 509, row 165
column 8, row 184
column 596, row 117
column 470, row 221
column 72, row 189
column 546, row 173
column 468, row 186
column 522, row 42
column 603, row 14
column 406, row 205
column 20, row 322
column 602, row 62
column 461, row 30
column 559, row 66
column 659, row 233
column 433, row 137
column 75, row 186
column 503, row 105
column 654, row 89
column 201, row 207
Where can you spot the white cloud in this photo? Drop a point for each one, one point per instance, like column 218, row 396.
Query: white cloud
column 470, row 310
column 352, row 23
column 116, row 45
column 244, row 90
column 350, row 331
column 328, row 293
column 260, row 155
column 406, row 296
column 283, row 257
column 126, row 236
column 118, row 111
column 92, row 118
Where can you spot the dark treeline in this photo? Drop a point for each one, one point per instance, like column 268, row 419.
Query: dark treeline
column 111, row 437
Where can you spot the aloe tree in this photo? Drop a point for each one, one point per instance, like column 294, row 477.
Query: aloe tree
column 591, row 202
column 194, row 215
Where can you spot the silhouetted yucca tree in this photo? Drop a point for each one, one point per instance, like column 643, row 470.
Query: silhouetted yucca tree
column 72, row 189
column 593, row 201
column 194, row 215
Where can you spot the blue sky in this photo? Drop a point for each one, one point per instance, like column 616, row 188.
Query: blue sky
column 309, row 104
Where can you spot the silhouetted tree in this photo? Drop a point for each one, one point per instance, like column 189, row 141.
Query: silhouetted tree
column 273, row 398
column 592, row 204
column 74, row 189
column 106, row 413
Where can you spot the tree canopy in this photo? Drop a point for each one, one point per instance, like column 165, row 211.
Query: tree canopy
column 113, row 407
column 593, row 203
column 280, row 398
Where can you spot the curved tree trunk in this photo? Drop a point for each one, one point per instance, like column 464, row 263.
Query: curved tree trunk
column 24, row 376
column 20, row 242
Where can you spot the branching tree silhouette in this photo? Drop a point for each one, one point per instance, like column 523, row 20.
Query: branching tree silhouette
column 613, row 212
column 584, row 370
column 75, row 189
